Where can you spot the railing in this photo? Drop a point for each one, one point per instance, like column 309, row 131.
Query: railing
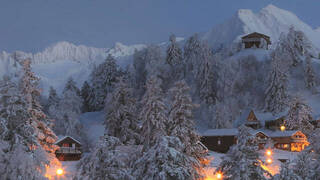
column 299, row 139
column 71, row 150
column 251, row 40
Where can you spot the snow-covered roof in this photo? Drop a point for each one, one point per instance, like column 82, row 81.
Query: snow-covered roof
column 220, row 132
column 282, row 133
column 64, row 137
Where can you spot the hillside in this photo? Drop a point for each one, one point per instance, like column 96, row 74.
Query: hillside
column 271, row 21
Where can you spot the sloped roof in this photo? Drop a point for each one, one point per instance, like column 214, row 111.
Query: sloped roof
column 255, row 34
column 252, row 117
column 283, row 133
column 65, row 137
column 220, row 132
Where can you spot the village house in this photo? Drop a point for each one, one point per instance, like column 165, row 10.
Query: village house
column 69, row 149
column 220, row 140
column 256, row 40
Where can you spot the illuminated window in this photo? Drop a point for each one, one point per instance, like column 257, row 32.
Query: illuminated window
column 285, row 145
column 65, row 145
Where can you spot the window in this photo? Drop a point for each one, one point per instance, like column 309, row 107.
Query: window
column 65, row 145
column 219, row 141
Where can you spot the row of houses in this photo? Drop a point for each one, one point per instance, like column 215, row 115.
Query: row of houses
column 220, row 140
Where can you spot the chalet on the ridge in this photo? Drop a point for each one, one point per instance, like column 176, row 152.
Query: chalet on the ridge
column 69, row 149
column 256, row 40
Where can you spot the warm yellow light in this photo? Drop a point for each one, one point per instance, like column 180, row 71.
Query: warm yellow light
column 59, row 171
column 282, row 128
column 219, row 176
column 269, row 152
column 269, row 161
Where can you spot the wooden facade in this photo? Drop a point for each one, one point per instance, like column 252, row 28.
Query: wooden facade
column 290, row 140
column 69, row 149
column 252, row 121
column 219, row 140
column 256, row 40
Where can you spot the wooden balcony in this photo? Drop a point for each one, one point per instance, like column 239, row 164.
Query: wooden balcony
column 69, row 150
column 299, row 140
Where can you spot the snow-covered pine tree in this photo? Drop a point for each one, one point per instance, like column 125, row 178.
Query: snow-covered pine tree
column 21, row 154
column 103, row 79
column 175, row 63
column 53, row 99
column 304, row 166
column 165, row 160
column 276, row 96
column 295, row 44
column 104, row 163
column 85, row 94
column 153, row 113
column 181, row 122
column 29, row 88
column 121, row 119
column 286, row 173
column 174, row 52
column 309, row 75
column 206, row 77
column 299, row 116
column 221, row 116
column 192, row 51
column 242, row 160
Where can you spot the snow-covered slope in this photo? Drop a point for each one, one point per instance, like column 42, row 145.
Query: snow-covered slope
column 271, row 21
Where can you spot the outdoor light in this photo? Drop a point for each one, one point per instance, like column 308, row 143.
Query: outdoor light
column 219, row 176
column 269, row 161
column 59, row 171
column 269, row 152
column 282, row 128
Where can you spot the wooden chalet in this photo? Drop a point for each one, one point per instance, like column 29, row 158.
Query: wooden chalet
column 261, row 138
column 219, row 140
column 256, row 40
column 274, row 124
column 289, row 140
column 69, row 149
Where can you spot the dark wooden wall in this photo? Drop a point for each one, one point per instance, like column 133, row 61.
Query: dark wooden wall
column 211, row 142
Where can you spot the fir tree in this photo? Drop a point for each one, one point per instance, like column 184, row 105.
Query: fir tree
column 276, row 96
column 23, row 155
column 174, row 53
column 104, row 163
column 29, row 89
column 165, row 161
column 181, row 122
column 153, row 114
column 192, row 51
column 85, row 94
column 206, row 78
column 242, row 160
column 103, row 79
column 121, row 119
column 309, row 75
column 299, row 116
column 303, row 166
column 286, row 173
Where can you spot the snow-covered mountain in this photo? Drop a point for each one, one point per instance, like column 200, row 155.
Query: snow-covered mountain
column 58, row 62
column 62, row 60
column 271, row 21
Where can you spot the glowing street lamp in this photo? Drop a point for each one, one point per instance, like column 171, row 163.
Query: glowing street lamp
column 219, row 176
column 269, row 152
column 59, row 172
column 269, row 161
column 282, row 128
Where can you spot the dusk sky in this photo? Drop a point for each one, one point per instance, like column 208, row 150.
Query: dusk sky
column 32, row 25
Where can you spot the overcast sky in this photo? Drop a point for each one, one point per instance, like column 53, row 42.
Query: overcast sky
column 32, row 25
